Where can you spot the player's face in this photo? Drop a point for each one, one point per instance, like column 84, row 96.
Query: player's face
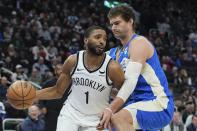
column 96, row 42
column 120, row 27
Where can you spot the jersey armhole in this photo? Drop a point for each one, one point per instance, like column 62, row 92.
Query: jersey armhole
column 73, row 71
column 109, row 82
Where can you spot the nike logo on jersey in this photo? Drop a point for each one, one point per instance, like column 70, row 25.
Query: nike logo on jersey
column 102, row 72
column 79, row 69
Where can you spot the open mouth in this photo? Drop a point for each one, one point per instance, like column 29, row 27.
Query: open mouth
column 115, row 31
column 100, row 48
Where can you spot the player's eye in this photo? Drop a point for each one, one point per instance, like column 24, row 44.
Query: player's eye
column 116, row 23
column 97, row 37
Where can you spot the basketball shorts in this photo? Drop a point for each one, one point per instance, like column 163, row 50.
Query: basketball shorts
column 71, row 119
column 149, row 115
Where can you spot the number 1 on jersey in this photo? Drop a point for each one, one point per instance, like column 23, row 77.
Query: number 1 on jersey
column 87, row 95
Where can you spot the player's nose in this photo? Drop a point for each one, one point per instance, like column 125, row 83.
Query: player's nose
column 114, row 27
column 102, row 42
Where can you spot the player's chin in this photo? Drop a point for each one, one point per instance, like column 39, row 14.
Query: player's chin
column 117, row 36
column 100, row 51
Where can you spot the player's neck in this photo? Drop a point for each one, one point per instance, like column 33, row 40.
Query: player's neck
column 125, row 40
column 92, row 60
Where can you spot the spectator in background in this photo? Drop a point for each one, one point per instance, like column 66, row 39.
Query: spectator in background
column 176, row 124
column 188, row 121
column 17, row 41
column 19, row 74
column 189, row 109
column 52, row 50
column 40, row 65
column 35, row 76
column 193, row 125
column 39, row 50
column 8, row 62
column 33, row 122
column 179, row 104
column 45, row 33
column 2, row 114
column 3, row 88
column 7, row 34
column 185, row 94
column 11, row 51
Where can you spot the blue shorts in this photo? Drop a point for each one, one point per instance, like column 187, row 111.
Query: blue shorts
column 149, row 115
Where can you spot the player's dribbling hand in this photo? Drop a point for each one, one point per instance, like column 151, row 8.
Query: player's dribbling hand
column 105, row 119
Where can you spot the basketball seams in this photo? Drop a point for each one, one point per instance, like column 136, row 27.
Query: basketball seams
column 19, row 99
column 15, row 92
column 22, row 94
column 29, row 89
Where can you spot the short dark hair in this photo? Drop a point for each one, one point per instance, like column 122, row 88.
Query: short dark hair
column 88, row 32
column 125, row 11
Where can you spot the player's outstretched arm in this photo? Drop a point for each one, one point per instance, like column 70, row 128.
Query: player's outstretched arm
column 62, row 83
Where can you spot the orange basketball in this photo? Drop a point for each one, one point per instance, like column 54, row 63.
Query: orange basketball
column 21, row 94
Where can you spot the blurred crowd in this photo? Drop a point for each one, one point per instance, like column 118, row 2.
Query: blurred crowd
column 35, row 36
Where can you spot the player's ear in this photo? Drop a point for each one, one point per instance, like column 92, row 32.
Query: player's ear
column 85, row 40
column 131, row 21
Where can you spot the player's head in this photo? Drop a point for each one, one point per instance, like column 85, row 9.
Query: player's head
column 122, row 20
column 95, row 39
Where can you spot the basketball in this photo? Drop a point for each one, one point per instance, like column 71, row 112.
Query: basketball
column 21, row 94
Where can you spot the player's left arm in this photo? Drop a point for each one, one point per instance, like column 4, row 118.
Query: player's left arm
column 139, row 52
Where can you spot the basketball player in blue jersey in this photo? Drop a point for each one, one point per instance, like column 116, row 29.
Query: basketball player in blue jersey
column 91, row 74
column 148, row 101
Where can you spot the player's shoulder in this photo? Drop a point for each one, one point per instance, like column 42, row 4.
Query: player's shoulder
column 141, row 41
column 70, row 62
column 72, row 58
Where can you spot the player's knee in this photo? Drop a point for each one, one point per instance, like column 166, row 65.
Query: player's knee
column 122, row 117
